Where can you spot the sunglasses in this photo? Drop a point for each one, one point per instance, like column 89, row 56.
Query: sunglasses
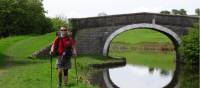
column 63, row 30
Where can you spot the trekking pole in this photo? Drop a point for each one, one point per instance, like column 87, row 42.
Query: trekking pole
column 51, row 69
column 76, row 70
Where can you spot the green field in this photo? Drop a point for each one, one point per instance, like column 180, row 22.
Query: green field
column 17, row 71
column 140, row 35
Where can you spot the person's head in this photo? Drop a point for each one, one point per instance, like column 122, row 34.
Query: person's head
column 63, row 30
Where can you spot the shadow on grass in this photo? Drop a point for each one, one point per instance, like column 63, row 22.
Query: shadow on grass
column 71, row 85
column 2, row 59
column 9, row 62
column 96, row 57
column 93, row 56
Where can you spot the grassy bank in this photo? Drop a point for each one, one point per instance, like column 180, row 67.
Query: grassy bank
column 143, row 46
column 141, row 35
column 165, row 61
column 6, row 43
column 17, row 71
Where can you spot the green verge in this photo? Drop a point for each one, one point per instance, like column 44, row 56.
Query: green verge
column 17, row 71
column 26, row 47
column 36, row 74
column 7, row 42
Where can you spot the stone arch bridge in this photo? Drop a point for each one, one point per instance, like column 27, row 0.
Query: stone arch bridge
column 94, row 34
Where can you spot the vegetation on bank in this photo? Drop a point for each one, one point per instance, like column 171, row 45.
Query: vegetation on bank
column 164, row 61
column 189, row 76
column 190, row 52
column 143, row 46
column 190, row 45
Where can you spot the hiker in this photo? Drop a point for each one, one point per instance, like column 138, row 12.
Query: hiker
column 64, row 45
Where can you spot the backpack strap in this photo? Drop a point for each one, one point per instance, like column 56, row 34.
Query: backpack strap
column 66, row 50
column 62, row 43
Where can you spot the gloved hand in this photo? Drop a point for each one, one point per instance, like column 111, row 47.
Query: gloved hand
column 51, row 52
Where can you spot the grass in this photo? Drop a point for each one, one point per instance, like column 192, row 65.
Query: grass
column 7, row 42
column 140, row 35
column 26, row 47
column 165, row 61
column 17, row 71
column 36, row 74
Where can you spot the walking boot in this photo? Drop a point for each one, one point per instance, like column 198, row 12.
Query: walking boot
column 65, row 81
column 59, row 85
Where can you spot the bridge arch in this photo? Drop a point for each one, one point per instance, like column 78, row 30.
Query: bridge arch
column 164, row 30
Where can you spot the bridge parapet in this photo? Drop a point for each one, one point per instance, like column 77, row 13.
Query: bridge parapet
column 124, row 19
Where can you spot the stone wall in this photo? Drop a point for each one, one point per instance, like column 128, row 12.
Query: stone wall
column 91, row 40
column 44, row 52
column 124, row 19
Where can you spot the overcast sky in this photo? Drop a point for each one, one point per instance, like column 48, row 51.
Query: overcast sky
column 89, row 8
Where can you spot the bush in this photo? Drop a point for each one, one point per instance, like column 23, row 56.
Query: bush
column 59, row 21
column 190, row 45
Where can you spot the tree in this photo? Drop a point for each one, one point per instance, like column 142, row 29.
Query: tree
column 197, row 11
column 182, row 12
column 175, row 12
column 190, row 45
column 59, row 21
column 165, row 12
column 179, row 12
column 23, row 17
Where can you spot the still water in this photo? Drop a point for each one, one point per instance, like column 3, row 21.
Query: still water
column 138, row 76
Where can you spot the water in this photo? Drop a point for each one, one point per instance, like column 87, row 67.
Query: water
column 138, row 76
column 153, row 70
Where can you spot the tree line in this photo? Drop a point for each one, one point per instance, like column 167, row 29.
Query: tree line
column 19, row 17
column 179, row 12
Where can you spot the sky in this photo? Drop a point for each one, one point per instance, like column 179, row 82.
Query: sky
column 91, row 8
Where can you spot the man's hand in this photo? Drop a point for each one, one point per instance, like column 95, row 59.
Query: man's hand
column 74, row 53
column 51, row 52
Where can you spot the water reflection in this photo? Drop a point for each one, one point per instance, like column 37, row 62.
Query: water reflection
column 125, row 77
column 137, row 76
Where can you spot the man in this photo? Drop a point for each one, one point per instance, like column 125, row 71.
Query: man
column 65, row 48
